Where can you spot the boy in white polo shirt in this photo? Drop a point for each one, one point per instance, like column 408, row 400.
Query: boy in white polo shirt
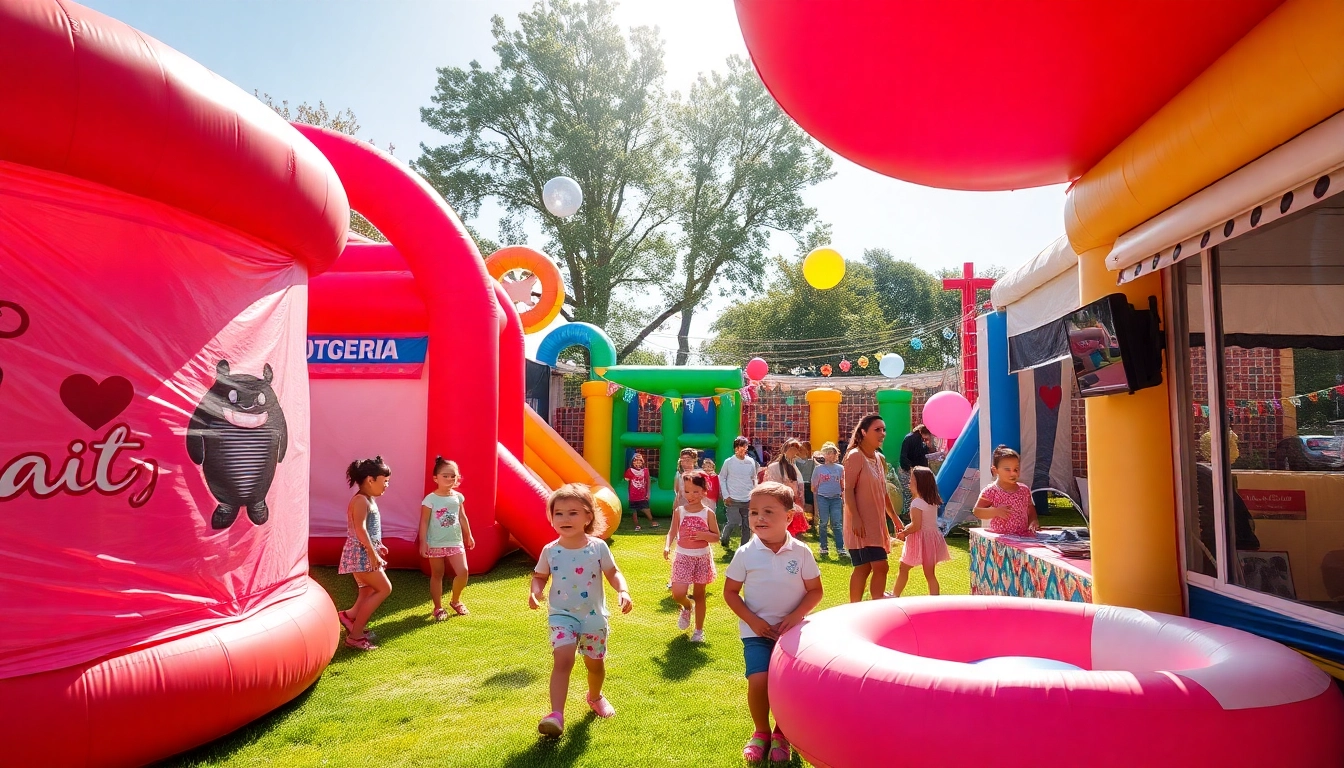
column 783, row 585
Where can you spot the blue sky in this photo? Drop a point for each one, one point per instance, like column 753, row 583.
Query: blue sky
column 379, row 59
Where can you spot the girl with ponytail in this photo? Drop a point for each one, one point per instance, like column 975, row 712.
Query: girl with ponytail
column 363, row 555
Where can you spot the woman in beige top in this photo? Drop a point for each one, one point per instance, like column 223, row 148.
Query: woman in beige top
column 867, row 508
column 783, row 470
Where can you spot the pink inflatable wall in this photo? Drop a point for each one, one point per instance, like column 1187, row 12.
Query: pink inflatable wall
column 158, row 228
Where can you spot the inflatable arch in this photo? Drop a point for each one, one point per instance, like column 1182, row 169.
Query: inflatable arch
column 427, row 290
column 601, row 352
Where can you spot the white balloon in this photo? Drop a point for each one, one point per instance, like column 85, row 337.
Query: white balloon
column 562, row 196
column 891, row 365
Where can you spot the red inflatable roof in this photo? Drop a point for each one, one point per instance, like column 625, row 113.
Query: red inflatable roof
column 90, row 97
column 967, row 94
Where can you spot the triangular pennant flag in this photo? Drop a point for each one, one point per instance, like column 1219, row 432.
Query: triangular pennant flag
column 788, row 400
column 600, row 371
column 643, row 399
column 1204, row 411
column 612, row 387
column 628, row 395
column 718, row 400
column 704, row 402
column 657, row 401
column 732, row 398
column 1314, row 397
column 676, row 404
column 690, row 406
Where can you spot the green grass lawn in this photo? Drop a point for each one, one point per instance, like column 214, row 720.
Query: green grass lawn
column 469, row 691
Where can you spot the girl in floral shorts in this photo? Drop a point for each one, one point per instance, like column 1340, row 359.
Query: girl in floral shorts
column 575, row 564
column 694, row 528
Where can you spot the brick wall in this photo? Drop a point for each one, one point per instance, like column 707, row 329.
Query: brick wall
column 1252, row 375
column 780, row 412
column 1078, row 424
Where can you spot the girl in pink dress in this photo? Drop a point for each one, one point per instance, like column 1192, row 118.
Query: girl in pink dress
column 924, row 544
column 1005, row 505
column 694, row 528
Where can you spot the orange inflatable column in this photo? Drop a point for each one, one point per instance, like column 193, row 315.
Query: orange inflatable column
column 597, row 427
column 824, row 416
column 1129, row 469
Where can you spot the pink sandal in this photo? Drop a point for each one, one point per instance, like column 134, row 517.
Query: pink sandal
column 552, row 725
column 601, row 707
column 440, row 614
column 459, row 608
column 780, row 751
column 346, row 621
column 754, row 751
column 360, row 644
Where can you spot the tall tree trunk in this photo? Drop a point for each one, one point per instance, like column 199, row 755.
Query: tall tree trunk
column 683, row 334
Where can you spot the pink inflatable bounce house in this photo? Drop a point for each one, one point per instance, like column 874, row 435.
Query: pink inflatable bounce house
column 158, row 228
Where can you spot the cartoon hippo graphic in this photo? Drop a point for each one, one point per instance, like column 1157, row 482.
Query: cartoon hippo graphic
column 238, row 435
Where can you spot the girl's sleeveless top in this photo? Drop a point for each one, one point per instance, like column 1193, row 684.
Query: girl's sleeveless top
column 372, row 524
column 691, row 524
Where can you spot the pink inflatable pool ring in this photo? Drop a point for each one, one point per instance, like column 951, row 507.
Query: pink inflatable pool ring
column 1153, row 689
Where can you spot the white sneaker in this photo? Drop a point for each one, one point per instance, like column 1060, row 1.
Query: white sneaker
column 684, row 619
column 698, row 636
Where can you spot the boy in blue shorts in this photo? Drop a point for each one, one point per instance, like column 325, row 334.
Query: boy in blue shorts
column 783, row 585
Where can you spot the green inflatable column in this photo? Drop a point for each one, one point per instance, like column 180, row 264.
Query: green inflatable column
column 728, row 422
column 893, row 405
column 668, row 453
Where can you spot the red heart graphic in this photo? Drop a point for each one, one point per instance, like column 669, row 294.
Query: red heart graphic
column 93, row 403
column 1051, row 396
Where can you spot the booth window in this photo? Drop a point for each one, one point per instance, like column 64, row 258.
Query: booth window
column 1275, row 299
column 1189, row 364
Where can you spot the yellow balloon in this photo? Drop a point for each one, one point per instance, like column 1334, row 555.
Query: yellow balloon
column 823, row 268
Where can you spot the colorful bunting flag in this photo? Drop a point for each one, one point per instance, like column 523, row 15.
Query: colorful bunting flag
column 612, row 387
column 676, row 404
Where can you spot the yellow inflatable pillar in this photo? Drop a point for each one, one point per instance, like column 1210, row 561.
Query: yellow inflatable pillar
column 824, row 405
column 1129, row 473
column 597, row 427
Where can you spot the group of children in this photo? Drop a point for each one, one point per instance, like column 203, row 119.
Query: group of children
column 771, row 584
column 445, row 537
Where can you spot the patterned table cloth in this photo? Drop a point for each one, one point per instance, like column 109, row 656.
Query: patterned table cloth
column 1008, row 565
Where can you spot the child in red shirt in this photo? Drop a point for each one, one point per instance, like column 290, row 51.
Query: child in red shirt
column 711, row 482
column 638, row 478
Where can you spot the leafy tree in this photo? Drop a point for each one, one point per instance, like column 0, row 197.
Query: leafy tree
column 679, row 198
column 794, row 325
column 570, row 96
column 745, row 165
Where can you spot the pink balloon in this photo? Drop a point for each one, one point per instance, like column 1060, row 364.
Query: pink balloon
column 946, row 414
column 757, row 368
